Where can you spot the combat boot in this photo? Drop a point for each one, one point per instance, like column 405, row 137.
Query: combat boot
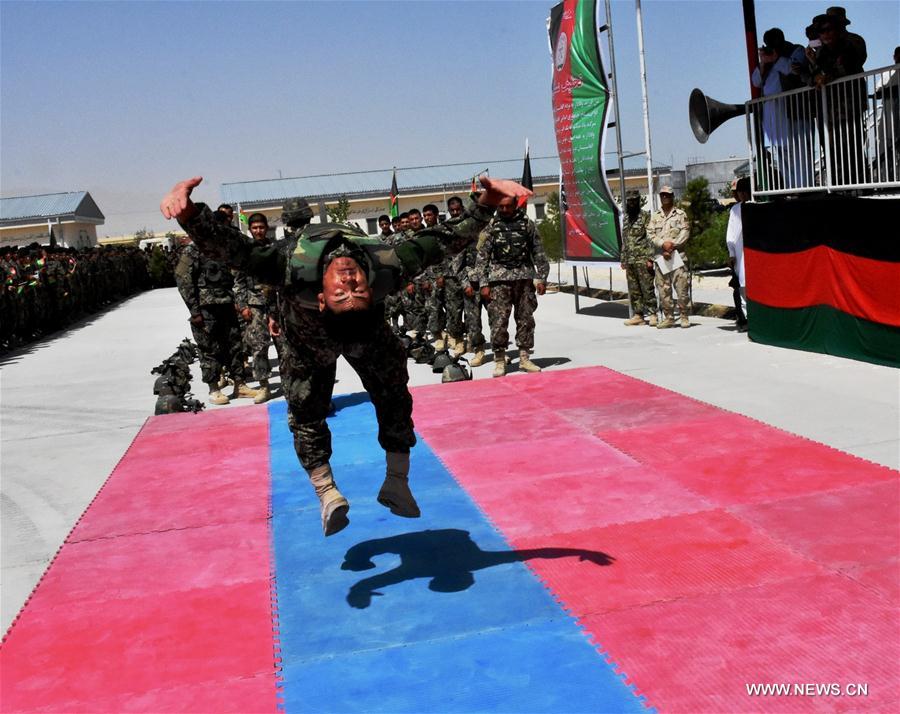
column 440, row 343
column 652, row 320
column 262, row 394
column 457, row 347
column 395, row 493
column 216, row 397
column 478, row 359
column 525, row 364
column 666, row 323
column 637, row 319
column 685, row 321
column 499, row 364
column 332, row 504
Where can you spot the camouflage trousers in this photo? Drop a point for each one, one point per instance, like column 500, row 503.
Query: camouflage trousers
column 219, row 342
column 310, row 354
column 257, row 341
column 508, row 296
column 394, row 308
column 640, row 289
column 445, row 309
column 472, row 307
column 678, row 279
column 416, row 317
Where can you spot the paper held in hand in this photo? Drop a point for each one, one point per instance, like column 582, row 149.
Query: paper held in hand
column 673, row 263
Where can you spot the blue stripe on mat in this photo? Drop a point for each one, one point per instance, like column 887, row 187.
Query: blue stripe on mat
column 436, row 614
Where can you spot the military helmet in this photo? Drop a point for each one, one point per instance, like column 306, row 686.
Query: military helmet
column 296, row 212
column 406, row 341
column 168, row 404
column 161, row 382
column 441, row 359
column 455, row 372
column 421, row 352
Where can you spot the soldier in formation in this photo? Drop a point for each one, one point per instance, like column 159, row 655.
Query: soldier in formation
column 254, row 302
column 668, row 231
column 637, row 262
column 333, row 285
column 46, row 288
column 512, row 267
column 207, row 288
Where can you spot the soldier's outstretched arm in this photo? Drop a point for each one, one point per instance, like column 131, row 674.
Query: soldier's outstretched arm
column 218, row 240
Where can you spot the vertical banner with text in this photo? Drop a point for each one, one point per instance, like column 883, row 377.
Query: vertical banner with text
column 591, row 226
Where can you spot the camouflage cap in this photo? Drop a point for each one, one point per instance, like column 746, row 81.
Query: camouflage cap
column 296, row 212
column 666, row 189
column 632, row 193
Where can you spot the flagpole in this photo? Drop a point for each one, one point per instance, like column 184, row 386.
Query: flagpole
column 651, row 194
column 615, row 92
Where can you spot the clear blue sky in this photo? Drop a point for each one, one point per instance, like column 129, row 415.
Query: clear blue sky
column 123, row 98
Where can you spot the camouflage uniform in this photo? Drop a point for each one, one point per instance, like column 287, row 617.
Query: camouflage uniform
column 252, row 295
column 446, row 303
column 416, row 305
column 509, row 260
column 464, row 269
column 675, row 228
column 636, row 251
column 314, row 339
column 206, row 287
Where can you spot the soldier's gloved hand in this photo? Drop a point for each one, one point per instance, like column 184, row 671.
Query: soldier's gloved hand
column 177, row 203
column 469, row 291
column 541, row 288
column 411, row 289
column 196, row 319
column 486, row 294
column 246, row 314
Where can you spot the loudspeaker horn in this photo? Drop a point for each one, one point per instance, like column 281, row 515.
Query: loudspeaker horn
column 707, row 114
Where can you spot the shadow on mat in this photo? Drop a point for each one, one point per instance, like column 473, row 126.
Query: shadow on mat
column 448, row 557
column 350, row 400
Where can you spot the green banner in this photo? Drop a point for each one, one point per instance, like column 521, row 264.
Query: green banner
column 591, row 224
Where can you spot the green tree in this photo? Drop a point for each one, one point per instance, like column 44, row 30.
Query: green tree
column 143, row 234
column 706, row 247
column 341, row 211
column 549, row 228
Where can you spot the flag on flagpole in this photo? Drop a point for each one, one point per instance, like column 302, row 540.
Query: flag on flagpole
column 395, row 197
column 474, row 186
column 526, row 181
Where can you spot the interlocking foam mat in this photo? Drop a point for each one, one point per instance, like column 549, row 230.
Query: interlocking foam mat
column 588, row 543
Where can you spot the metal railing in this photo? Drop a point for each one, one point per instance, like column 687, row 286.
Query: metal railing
column 844, row 136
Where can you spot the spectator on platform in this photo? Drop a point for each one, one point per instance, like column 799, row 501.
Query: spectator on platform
column 842, row 56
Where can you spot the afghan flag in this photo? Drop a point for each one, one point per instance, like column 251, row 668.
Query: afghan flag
column 242, row 217
column 526, row 181
column 580, row 94
column 395, row 197
column 817, row 281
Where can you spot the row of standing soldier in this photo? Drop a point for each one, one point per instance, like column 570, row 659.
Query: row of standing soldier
column 46, row 288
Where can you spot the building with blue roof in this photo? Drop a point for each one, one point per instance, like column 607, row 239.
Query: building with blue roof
column 71, row 218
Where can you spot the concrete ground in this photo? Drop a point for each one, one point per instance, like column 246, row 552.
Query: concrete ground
column 71, row 404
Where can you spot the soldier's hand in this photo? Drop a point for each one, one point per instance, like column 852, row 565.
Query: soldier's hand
column 668, row 246
column 495, row 190
column 486, row 294
column 439, row 281
column 274, row 327
column 649, row 265
column 541, row 288
column 411, row 289
column 246, row 314
column 621, row 266
column 426, row 287
column 196, row 319
column 177, row 203
column 469, row 291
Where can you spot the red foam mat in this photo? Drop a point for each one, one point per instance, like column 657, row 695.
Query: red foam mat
column 740, row 554
column 160, row 599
